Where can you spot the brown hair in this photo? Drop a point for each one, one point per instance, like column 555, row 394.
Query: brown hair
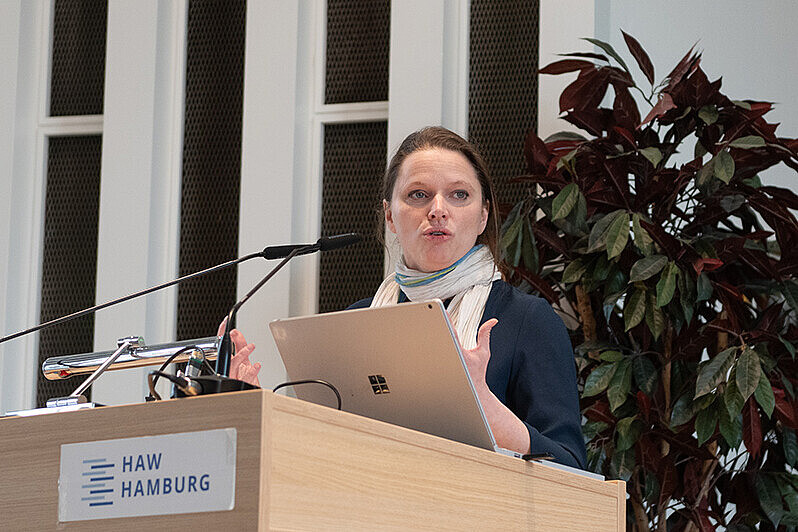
column 441, row 138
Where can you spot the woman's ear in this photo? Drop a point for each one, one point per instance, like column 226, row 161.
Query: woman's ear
column 485, row 212
column 386, row 207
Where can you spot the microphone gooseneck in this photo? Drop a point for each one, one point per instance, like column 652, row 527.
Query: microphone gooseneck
column 226, row 348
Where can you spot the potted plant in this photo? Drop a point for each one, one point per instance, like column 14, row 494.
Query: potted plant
column 656, row 238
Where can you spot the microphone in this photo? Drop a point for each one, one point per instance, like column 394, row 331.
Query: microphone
column 325, row 243
column 287, row 252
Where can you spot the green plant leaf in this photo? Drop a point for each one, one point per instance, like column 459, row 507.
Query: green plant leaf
column 645, row 374
column 666, row 285
column 753, row 182
column 748, row 370
column 790, row 291
column 686, row 296
column 611, row 356
column 623, row 463
column 764, row 394
column 703, row 287
column 620, row 384
column 598, row 235
column 705, row 422
column 747, row 143
column 685, row 408
column 609, row 304
column 705, row 172
column 742, row 104
column 512, row 233
column 731, row 427
column 699, row 150
column 617, row 235
column 708, row 114
column 731, row 396
column 564, row 135
column 609, row 50
column 574, row 271
column 788, row 346
column 529, row 250
column 647, row 267
column 790, row 446
column 724, row 166
column 642, row 239
column 598, row 379
column 591, row 429
column 769, row 497
column 628, row 431
column 732, row 202
column 634, row 309
column 654, row 155
column 713, row 372
column 564, row 201
column 655, row 318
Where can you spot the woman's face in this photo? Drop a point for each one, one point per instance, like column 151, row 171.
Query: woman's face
column 436, row 210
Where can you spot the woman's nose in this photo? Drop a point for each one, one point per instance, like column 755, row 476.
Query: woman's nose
column 437, row 208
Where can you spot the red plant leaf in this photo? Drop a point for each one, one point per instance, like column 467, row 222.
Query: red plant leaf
column 624, row 109
column 643, row 403
column 626, row 134
column 587, row 91
column 785, row 410
column 640, row 55
column 709, row 265
column 566, row 65
column 688, row 62
column 600, row 411
column 664, row 105
column 785, row 196
column 537, row 155
column 752, row 428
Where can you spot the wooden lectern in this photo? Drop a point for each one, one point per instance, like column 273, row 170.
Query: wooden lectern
column 301, row 466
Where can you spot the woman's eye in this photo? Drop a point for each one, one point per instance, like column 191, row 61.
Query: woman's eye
column 417, row 194
column 460, row 194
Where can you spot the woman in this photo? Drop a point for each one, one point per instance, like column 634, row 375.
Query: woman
column 438, row 199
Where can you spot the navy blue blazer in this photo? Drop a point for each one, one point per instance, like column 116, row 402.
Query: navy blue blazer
column 532, row 371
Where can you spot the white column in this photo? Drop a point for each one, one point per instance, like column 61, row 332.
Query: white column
column 267, row 170
column 140, row 186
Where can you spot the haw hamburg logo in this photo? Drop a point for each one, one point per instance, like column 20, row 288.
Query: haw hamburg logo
column 98, row 473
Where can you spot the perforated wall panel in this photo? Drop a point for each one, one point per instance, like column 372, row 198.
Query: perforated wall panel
column 211, row 162
column 358, row 41
column 503, row 92
column 69, row 265
column 78, row 62
column 354, row 161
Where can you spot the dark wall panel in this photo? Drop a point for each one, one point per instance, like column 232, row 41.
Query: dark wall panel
column 354, row 161
column 358, row 42
column 69, row 263
column 503, row 91
column 78, row 63
column 211, row 162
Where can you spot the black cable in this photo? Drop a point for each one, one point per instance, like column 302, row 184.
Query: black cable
column 154, row 396
column 311, row 381
column 180, row 382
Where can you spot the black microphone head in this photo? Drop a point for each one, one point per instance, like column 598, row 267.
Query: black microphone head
column 327, row 243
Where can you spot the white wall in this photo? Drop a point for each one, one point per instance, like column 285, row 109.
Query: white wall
column 752, row 45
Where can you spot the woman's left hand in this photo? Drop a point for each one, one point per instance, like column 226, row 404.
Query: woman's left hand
column 241, row 368
column 476, row 359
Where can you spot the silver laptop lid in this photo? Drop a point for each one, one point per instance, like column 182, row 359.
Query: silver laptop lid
column 399, row 364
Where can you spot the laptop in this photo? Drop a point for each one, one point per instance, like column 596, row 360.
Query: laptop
column 399, row 364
